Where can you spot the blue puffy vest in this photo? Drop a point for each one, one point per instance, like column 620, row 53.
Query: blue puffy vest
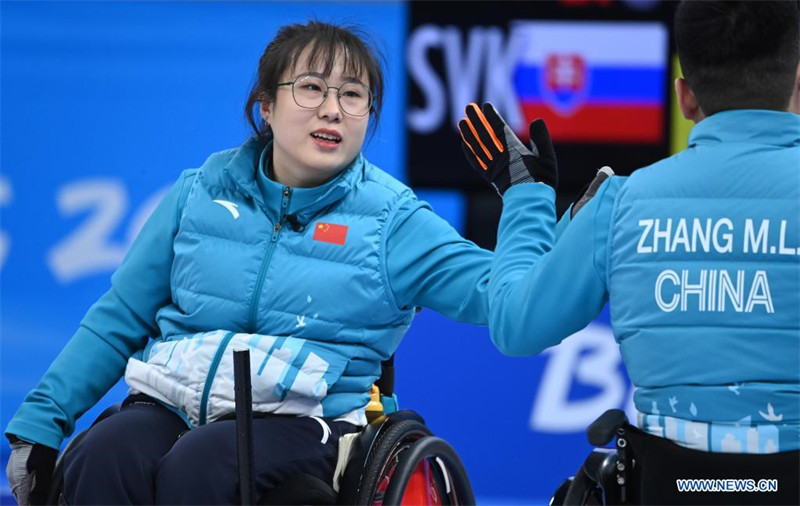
column 307, row 273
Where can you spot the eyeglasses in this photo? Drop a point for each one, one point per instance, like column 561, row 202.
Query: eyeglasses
column 310, row 91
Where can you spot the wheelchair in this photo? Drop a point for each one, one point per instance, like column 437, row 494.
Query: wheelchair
column 644, row 469
column 394, row 460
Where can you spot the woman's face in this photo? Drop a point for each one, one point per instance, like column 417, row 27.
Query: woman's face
column 311, row 146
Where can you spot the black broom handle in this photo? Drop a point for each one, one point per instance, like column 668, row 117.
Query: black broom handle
column 244, row 424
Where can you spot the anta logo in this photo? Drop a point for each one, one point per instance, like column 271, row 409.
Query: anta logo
column 331, row 233
column 230, row 206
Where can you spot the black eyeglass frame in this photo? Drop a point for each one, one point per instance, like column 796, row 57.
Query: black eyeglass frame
column 325, row 95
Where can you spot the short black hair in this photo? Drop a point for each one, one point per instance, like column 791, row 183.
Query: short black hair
column 326, row 41
column 739, row 54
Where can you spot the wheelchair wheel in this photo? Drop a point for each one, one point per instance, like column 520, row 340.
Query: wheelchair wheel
column 429, row 472
column 560, row 494
column 583, row 491
column 383, row 459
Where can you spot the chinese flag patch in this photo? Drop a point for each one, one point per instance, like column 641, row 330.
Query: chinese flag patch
column 330, row 232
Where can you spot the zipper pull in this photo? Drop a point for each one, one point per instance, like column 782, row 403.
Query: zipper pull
column 275, row 231
column 285, row 200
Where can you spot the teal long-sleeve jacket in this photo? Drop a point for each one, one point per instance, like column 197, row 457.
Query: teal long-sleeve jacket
column 198, row 266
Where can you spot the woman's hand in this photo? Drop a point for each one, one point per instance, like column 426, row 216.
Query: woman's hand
column 30, row 472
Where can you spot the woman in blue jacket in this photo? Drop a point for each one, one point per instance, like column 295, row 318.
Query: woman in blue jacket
column 292, row 245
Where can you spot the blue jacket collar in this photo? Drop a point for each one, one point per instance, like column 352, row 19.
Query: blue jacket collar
column 246, row 170
column 241, row 169
column 750, row 126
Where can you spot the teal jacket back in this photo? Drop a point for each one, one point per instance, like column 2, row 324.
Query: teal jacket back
column 698, row 257
column 704, row 283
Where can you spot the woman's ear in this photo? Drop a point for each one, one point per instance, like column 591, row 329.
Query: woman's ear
column 687, row 102
column 265, row 108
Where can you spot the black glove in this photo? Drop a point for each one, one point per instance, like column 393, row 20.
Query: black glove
column 590, row 190
column 492, row 149
column 30, row 472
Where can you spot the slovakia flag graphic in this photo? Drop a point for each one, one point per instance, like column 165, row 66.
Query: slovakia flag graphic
column 592, row 81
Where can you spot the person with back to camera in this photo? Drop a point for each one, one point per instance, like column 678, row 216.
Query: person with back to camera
column 293, row 245
column 698, row 255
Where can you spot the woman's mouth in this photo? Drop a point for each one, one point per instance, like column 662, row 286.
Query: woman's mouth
column 326, row 139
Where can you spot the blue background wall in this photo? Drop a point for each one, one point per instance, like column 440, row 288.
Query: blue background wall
column 103, row 104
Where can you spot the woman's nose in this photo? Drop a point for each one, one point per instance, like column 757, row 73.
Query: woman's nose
column 330, row 106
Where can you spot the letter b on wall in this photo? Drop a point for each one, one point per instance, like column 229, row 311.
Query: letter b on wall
column 589, row 358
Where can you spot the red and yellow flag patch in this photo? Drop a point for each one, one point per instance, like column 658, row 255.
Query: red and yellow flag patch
column 330, row 232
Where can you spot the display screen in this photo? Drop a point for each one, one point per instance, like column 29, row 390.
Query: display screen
column 596, row 72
